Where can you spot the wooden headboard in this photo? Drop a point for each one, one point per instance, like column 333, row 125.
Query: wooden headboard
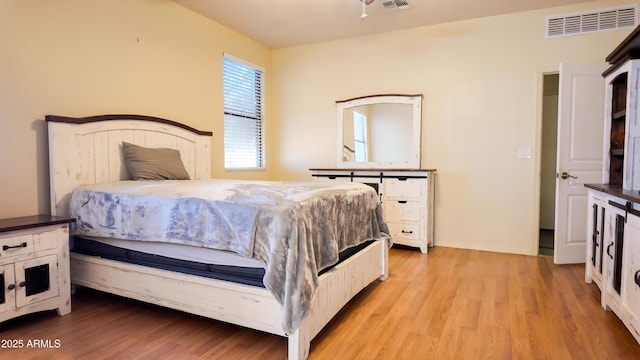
column 88, row 150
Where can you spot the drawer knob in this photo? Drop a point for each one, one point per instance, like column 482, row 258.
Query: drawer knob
column 407, row 232
column 11, row 287
column 637, row 277
column 22, row 284
column 7, row 247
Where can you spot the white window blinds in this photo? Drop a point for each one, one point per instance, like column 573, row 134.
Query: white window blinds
column 243, row 146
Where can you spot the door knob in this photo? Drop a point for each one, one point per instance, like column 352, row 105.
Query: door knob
column 565, row 175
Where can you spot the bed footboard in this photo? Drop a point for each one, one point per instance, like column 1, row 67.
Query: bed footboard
column 337, row 287
column 239, row 304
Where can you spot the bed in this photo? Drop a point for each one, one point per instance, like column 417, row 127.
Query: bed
column 87, row 154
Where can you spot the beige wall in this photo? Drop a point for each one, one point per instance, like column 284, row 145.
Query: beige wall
column 90, row 57
column 481, row 81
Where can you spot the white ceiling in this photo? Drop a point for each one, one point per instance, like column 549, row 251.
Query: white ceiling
column 284, row 23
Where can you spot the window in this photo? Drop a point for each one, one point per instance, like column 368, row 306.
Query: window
column 360, row 136
column 243, row 146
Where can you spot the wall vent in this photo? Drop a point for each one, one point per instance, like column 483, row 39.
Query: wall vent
column 592, row 21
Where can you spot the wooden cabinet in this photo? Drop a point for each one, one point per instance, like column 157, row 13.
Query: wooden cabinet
column 406, row 197
column 613, row 251
column 34, row 265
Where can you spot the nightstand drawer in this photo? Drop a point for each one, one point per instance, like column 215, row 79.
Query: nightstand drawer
column 16, row 245
column 48, row 239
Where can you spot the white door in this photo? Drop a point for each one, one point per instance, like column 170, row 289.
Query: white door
column 581, row 96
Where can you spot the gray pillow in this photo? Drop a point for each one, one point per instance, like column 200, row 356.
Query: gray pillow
column 153, row 164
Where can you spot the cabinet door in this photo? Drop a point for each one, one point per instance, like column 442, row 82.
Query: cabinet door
column 631, row 276
column 593, row 235
column 602, row 224
column 595, row 250
column 615, row 246
column 8, row 293
column 36, row 279
column 618, row 251
column 615, row 228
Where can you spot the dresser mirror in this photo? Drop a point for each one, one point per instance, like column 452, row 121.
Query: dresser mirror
column 379, row 132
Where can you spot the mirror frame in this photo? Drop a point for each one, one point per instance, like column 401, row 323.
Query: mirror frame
column 414, row 100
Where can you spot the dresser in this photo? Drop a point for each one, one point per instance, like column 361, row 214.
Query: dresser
column 613, row 222
column 34, row 265
column 406, row 197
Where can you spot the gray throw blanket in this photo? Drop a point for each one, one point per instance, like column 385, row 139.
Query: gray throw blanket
column 295, row 228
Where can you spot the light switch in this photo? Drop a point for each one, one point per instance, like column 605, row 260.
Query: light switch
column 524, row 153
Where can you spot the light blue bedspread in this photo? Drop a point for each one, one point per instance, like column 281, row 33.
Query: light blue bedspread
column 295, row 228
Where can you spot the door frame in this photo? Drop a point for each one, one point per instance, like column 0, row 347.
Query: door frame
column 590, row 70
column 535, row 245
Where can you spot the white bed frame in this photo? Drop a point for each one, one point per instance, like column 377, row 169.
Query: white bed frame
column 88, row 151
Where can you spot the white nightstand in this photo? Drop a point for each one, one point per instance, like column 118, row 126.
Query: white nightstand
column 34, row 265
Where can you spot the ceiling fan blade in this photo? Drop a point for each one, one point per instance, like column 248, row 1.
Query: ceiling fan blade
column 368, row 2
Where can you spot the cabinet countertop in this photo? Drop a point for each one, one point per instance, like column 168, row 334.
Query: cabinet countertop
column 27, row 222
column 616, row 190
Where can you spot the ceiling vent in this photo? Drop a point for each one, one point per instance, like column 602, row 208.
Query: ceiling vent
column 591, row 21
column 394, row 5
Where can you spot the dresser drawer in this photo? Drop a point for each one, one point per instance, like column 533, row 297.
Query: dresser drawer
column 402, row 210
column 16, row 245
column 404, row 231
column 410, row 188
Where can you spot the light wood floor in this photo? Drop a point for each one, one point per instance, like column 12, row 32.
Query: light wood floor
column 449, row 304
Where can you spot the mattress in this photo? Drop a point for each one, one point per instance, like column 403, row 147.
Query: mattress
column 209, row 263
column 214, row 264
column 178, row 252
